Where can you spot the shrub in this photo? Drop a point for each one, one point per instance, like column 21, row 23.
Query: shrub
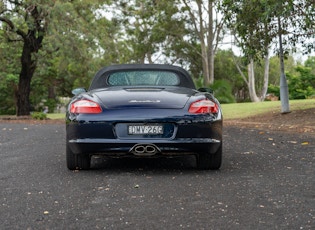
column 222, row 90
column 39, row 116
column 274, row 89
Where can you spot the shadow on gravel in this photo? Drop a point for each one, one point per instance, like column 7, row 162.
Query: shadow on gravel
column 148, row 164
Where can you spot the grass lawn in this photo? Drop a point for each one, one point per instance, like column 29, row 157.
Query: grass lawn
column 56, row 115
column 241, row 110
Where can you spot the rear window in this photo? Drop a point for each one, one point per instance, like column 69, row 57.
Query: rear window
column 150, row 77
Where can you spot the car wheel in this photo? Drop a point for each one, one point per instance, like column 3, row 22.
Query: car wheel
column 77, row 161
column 207, row 161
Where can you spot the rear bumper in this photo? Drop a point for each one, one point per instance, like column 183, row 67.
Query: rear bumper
column 123, row 147
column 187, row 137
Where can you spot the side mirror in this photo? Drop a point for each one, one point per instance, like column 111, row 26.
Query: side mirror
column 208, row 90
column 78, row 91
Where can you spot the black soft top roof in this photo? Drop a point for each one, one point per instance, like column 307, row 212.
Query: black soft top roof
column 100, row 78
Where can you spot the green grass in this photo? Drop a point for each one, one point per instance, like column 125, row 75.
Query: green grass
column 56, row 115
column 242, row 110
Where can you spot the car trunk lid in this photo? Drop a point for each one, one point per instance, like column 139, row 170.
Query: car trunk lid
column 144, row 97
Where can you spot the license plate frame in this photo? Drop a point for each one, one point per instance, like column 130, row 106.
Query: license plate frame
column 144, row 129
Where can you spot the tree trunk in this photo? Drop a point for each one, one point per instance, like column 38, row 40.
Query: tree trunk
column 26, row 74
column 208, row 32
column 205, row 64
column 204, row 47
column 251, row 82
column 210, row 39
column 266, row 78
column 32, row 42
column 211, row 64
column 284, row 89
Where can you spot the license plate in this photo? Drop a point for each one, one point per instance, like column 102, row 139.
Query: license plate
column 145, row 129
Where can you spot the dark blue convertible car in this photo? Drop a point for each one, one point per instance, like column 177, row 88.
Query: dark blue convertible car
column 143, row 110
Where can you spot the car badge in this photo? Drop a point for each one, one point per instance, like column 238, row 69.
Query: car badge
column 144, row 101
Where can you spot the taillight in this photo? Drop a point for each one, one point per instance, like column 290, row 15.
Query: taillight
column 203, row 106
column 85, row 106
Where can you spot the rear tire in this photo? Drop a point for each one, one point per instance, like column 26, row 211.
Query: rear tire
column 206, row 161
column 77, row 161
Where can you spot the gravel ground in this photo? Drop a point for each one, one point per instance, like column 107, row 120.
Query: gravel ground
column 266, row 182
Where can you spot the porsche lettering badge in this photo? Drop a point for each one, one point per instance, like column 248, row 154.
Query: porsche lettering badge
column 144, row 101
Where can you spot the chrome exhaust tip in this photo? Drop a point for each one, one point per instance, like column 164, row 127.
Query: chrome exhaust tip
column 140, row 149
column 144, row 150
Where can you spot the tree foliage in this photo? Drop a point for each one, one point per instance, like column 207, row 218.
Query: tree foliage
column 302, row 85
column 258, row 23
column 47, row 47
column 255, row 23
column 301, row 81
column 9, row 75
column 149, row 28
column 25, row 22
column 46, row 29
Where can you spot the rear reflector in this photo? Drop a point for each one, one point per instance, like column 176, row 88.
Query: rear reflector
column 203, row 106
column 85, row 106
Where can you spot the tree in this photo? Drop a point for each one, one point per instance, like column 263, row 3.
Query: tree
column 147, row 28
column 204, row 22
column 46, row 29
column 181, row 31
column 9, row 75
column 250, row 78
column 226, row 70
column 288, row 23
column 25, row 22
column 243, row 22
column 310, row 62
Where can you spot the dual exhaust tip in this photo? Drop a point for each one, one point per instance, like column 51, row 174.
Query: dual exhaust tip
column 144, row 150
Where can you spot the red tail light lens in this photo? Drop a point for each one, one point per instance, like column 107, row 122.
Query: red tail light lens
column 203, row 106
column 85, row 106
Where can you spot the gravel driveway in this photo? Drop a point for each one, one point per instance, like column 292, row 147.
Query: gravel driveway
column 267, row 181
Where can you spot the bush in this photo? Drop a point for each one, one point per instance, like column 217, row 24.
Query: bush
column 39, row 115
column 222, row 90
column 274, row 89
column 301, row 86
column 51, row 103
